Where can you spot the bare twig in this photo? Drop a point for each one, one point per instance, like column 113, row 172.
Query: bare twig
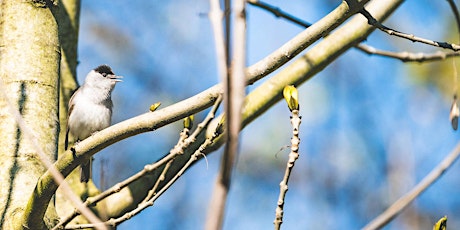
column 408, row 56
column 405, row 200
column 279, row 13
column 178, row 149
column 372, row 21
column 116, row 188
column 143, row 205
column 293, row 155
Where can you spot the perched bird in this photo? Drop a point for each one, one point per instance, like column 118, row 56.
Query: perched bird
column 90, row 109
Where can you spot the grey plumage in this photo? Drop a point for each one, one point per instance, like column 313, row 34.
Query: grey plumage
column 90, row 109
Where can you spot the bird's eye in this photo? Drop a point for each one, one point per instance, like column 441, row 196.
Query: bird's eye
column 104, row 74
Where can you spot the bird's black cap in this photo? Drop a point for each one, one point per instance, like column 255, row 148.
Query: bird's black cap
column 104, row 70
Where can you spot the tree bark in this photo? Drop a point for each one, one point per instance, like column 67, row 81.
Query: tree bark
column 29, row 72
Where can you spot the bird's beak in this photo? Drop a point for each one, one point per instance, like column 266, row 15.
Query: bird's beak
column 116, row 78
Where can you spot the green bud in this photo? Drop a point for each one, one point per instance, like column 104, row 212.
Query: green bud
column 291, row 95
column 155, row 106
column 188, row 121
column 441, row 224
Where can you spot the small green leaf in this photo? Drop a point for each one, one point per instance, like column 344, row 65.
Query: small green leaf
column 220, row 125
column 188, row 121
column 441, row 224
column 291, row 95
column 155, row 106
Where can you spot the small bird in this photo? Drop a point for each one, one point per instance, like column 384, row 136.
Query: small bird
column 90, row 109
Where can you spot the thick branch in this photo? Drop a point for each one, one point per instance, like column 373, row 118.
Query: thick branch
column 303, row 40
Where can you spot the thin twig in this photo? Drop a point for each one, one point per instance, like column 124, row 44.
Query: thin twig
column 293, row 155
column 178, row 149
column 161, row 178
column 279, row 13
column 372, row 21
column 408, row 56
column 405, row 200
column 143, row 205
column 116, row 188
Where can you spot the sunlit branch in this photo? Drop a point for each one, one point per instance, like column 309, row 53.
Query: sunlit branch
column 177, row 150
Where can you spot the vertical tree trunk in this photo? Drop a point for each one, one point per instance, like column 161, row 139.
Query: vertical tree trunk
column 29, row 72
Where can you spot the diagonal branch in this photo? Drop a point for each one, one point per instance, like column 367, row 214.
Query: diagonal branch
column 374, row 22
column 279, row 13
column 405, row 200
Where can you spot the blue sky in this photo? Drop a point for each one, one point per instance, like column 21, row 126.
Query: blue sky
column 370, row 130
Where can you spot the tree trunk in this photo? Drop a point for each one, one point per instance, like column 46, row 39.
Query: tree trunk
column 29, row 71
